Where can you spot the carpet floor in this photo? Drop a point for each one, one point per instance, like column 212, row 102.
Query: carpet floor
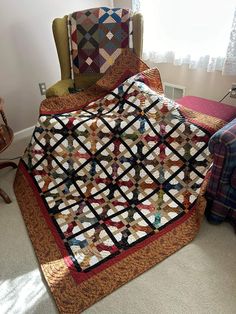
column 200, row 278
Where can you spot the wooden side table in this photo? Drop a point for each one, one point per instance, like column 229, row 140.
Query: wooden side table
column 6, row 137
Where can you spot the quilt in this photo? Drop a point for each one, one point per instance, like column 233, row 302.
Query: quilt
column 97, row 37
column 112, row 188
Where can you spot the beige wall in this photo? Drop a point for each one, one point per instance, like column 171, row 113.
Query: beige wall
column 198, row 82
column 28, row 55
column 123, row 4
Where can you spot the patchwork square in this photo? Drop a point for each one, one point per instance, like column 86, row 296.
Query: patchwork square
column 91, row 247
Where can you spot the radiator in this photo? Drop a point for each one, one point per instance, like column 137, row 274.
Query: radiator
column 173, row 91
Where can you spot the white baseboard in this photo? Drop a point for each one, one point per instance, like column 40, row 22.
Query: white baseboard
column 23, row 133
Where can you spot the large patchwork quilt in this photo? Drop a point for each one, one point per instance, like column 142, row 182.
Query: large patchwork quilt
column 109, row 190
column 119, row 170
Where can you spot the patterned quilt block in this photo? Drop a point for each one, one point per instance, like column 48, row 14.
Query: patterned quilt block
column 118, row 171
column 97, row 37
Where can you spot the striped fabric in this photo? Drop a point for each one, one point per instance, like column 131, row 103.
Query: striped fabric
column 221, row 192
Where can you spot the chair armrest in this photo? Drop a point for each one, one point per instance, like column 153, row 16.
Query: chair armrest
column 222, row 146
column 225, row 136
column 221, row 189
column 233, row 179
column 60, row 88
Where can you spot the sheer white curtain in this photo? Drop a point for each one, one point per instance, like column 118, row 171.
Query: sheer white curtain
column 230, row 60
column 199, row 33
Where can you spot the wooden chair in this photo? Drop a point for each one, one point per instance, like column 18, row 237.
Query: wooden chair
column 6, row 137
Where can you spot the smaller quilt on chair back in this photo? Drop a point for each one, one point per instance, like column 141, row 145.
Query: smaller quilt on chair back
column 96, row 38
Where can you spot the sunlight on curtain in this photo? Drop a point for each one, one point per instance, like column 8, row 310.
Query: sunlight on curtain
column 230, row 61
column 187, row 31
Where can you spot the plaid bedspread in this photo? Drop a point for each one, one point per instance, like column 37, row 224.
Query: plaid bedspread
column 117, row 171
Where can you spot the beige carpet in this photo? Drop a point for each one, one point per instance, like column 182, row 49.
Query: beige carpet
column 200, row 278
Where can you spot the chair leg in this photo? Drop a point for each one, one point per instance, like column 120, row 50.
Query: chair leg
column 7, row 164
column 4, row 165
column 5, row 196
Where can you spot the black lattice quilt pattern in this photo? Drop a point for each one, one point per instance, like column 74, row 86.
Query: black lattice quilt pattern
column 117, row 172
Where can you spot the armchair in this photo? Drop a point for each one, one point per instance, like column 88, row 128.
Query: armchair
column 89, row 41
column 221, row 191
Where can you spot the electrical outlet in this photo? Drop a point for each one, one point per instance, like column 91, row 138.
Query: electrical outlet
column 233, row 91
column 42, row 88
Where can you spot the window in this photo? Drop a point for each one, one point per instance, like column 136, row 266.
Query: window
column 199, row 33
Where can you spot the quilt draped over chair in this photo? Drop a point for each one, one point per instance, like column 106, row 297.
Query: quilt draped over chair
column 113, row 184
